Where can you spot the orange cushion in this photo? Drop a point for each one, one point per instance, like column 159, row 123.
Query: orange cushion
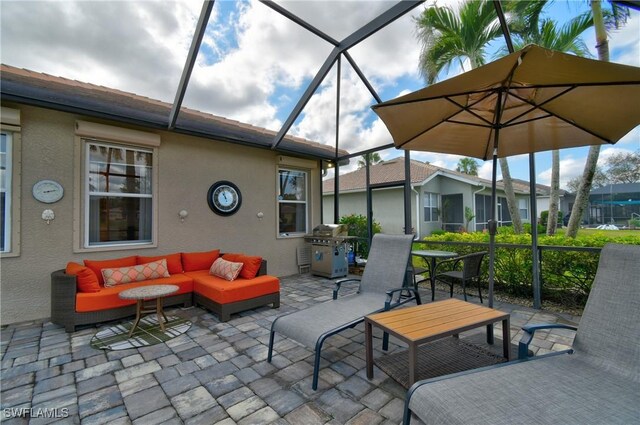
column 85, row 277
column 174, row 261
column 98, row 265
column 108, row 297
column 192, row 261
column 251, row 264
column 225, row 292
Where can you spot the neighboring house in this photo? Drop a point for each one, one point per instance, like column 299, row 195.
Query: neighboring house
column 127, row 177
column 614, row 203
column 438, row 197
column 543, row 198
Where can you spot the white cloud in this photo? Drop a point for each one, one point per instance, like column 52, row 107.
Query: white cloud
column 138, row 47
column 623, row 44
column 255, row 61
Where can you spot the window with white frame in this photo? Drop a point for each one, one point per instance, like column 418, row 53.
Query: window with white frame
column 119, row 194
column 5, row 191
column 292, row 201
column 523, row 206
column 431, row 212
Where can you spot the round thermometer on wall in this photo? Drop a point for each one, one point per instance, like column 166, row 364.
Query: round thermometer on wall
column 224, row 198
column 48, row 191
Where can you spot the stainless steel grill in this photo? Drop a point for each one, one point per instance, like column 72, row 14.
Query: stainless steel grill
column 329, row 245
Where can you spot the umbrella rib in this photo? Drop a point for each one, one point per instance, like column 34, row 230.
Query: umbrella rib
column 535, row 106
column 468, row 108
column 448, row 119
column 471, row 123
column 422, row 132
column 540, row 106
column 391, row 102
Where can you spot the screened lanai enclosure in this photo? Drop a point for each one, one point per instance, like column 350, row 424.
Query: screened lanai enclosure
column 333, row 62
column 299, row 70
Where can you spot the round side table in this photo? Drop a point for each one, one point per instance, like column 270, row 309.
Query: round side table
column 144, row 293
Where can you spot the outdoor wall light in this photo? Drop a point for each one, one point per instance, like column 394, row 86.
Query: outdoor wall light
column 48, row 215
column 183, row 214
column 260, row 215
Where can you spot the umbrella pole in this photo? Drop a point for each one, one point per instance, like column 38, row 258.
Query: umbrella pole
column 493, row 225
column 534, row 233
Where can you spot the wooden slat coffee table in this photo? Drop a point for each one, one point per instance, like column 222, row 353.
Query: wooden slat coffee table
column 423, row 323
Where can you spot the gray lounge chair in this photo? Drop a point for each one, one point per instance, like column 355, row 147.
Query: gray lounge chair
column 596, row 382
column 383, row 278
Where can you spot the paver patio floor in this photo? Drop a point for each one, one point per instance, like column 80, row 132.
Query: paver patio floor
column 215, row 373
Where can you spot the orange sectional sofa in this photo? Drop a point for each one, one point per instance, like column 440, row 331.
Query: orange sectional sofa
column 79, row 295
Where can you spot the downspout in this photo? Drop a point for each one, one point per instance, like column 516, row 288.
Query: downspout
column 473, row 204
column 417, row 212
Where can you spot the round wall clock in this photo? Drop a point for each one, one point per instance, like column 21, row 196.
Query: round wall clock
column 48, row 191
column 224, row 198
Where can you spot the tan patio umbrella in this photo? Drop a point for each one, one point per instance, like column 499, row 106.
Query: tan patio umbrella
column 529, row 101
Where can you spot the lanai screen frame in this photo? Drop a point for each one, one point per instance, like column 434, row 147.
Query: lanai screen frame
column 341, row 48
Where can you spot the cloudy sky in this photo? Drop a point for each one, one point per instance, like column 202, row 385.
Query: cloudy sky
column 254, row 64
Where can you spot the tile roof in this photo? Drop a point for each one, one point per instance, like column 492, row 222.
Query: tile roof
column 39, row 89
column 392, row 171
column 541, row 189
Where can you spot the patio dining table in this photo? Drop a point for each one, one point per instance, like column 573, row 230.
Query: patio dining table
column 432, row 255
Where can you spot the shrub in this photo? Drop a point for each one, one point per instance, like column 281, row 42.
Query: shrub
column 527, row 228
column 566, row 276
column 357, row 225
column 544, row 218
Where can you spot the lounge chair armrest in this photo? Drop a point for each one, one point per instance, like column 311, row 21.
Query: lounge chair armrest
column 339, row 283
column 387, row 303
column 529, row 330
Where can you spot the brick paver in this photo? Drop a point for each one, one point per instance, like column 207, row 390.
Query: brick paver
column 215, row 373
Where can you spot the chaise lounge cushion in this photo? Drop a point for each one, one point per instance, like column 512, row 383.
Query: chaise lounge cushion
column 108, row 297
column 174, row 261
column 85, row 277
column 98, row 265
column 522, row 394
column 224, row 292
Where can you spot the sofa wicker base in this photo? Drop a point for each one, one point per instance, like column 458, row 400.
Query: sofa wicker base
column 224, row 311
column 63, row 298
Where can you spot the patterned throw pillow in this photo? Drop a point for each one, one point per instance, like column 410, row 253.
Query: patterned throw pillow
column 225, row 269
column 152, row 270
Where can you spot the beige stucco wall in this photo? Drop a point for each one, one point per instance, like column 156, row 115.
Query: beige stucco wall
column 387, row 206
column 187, row 168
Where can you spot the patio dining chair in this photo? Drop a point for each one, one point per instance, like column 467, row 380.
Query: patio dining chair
column 379, row 289
column 469, row 272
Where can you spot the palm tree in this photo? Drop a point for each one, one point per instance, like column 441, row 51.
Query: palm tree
column 531, row 29
column 468, row 166
column 374, row 158
column 617, row 18
column 449, row 37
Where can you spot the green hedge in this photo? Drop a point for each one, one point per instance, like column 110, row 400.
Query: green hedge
column 566, row 276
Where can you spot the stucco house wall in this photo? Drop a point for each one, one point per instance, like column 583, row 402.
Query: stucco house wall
column 187, row 166
column 387, row 206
